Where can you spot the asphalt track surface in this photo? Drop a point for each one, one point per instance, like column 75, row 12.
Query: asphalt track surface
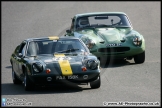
column 122, row 82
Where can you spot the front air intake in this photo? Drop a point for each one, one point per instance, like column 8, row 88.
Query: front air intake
column 114, row 49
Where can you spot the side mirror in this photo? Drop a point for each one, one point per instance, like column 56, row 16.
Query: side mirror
column 20, row 55
column 68, row 31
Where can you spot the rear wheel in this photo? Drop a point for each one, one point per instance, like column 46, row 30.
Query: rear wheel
column 14, row 78
column 28, row 85
column 140, row 58
column 95, row 84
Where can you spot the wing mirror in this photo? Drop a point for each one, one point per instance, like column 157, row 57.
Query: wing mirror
column 20, row 55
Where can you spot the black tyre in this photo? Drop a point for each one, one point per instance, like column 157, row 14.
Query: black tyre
column 95, row 84
column 28, row 85
column 14, row 78
column 140, row 58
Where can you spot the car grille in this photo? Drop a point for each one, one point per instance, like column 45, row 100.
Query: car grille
column 114, row 49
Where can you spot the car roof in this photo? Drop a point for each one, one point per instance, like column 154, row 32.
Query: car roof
column 51, row 38
column 97, row 13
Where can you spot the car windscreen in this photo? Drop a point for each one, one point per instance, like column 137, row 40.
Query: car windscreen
column 56, row 46
column 108, row 20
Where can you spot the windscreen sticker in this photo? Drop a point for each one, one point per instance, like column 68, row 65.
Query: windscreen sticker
column 53, row 37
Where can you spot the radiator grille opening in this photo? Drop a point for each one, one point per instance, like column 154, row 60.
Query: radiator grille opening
column 114, row 49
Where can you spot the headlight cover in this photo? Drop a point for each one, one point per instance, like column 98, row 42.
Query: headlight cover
column 90, row 43
column 137, row 40
column 37, row 67
column 92, row 64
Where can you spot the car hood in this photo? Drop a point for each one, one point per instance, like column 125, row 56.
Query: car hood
column 60, row 64
column 103, row 34
column 54, row 59
column 73, row 59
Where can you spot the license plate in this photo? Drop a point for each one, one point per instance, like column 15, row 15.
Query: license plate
column 114, row 44
column 67, row 77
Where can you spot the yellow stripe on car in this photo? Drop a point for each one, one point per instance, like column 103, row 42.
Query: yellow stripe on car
column 59, row 55
column 53, row 37
column 64, row 65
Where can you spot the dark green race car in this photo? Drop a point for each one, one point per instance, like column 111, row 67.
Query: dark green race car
column 51, row 60
column 108, row 35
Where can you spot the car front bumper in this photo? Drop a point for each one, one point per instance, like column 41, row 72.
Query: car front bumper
column 117, row 52
column 51, row 79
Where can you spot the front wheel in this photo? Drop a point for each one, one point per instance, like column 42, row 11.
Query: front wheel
column 28, row 85
column 96, row 83
column 140, row 58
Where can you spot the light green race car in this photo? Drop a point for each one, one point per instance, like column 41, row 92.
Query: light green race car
column 108, row 35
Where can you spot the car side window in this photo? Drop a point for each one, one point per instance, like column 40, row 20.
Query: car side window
column 21, row 49
column 125, row 20
column 17, row 50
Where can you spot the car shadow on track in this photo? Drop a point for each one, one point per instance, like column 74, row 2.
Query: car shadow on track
column 18, row 89
column 8, row 67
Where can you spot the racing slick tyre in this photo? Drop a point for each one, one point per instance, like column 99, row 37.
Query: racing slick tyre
column 28, row 85
column 95, row 84
column 14, row 78
column 140, row 58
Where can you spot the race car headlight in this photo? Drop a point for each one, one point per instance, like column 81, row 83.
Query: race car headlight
column 90, row 43
column 137, row 41
column 37, row 67
column 92, row 64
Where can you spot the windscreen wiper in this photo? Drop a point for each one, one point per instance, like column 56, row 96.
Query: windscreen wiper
column 66, row 51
